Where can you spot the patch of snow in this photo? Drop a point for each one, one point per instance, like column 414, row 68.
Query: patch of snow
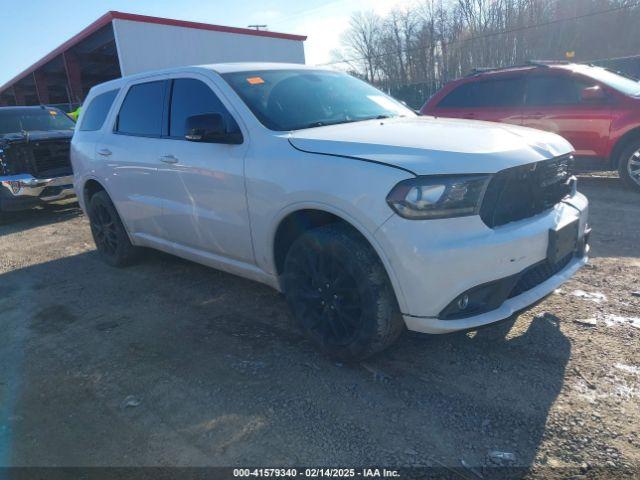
column 628, row 368
column 597, row 297
column 611, row 320
column 587, row 321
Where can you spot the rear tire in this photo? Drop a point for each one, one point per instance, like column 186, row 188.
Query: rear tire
column 340, row 294
column 108, row 232
column 629, row 166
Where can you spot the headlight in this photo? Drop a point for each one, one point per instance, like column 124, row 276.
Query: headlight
column 438, row 196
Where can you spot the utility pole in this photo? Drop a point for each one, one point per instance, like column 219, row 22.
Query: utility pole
column 258, row 27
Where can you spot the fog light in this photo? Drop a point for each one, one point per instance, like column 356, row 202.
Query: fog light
column 463, row 302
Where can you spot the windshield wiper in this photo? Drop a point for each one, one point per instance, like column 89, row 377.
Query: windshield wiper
column 346, row 120
column 325, row 124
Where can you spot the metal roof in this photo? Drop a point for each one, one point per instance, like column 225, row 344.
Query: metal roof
column 112, row 15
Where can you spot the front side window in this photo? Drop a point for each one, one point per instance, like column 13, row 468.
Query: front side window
column 97, row 111
column 192, row 97
column 503, row 92
column 141, row 110
column 554, row 90
column 296, row 99
column 18, row 120
column 626, row 85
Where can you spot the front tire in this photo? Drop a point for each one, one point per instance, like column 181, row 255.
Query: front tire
column 629, row 166
column 340, row 294
column 108, row 232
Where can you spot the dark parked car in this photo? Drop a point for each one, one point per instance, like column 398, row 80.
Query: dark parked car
column 34, row 156
column 596, row 110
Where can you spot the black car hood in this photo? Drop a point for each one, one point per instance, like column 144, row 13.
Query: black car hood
column 36, row 136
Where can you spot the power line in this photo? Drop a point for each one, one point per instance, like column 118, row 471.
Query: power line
column 488, row 35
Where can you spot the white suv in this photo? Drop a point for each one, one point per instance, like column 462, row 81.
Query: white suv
column 366, row 216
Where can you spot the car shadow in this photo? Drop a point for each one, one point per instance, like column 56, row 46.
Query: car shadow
column 211, row 367
column 494, row 387
column 14, row 222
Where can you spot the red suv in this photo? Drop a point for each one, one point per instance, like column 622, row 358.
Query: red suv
column 597, row 110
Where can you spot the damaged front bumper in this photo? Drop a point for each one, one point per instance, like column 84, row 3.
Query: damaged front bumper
column 18, row 192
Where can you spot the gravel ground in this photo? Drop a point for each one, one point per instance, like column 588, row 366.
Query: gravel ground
column 169, row 363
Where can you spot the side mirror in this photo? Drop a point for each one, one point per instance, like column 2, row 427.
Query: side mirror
column 593, row 94
column 210, row 128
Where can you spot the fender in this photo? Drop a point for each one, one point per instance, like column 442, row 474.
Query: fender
column 347, row 218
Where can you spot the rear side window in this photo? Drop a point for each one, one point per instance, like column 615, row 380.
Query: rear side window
column 554, row 90
column 193, row 97
column 97, row 111
column 141, row 111
column 504, row 92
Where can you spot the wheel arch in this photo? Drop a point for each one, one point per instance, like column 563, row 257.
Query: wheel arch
column 296, row 221
column 622, row 143
column 91, row 187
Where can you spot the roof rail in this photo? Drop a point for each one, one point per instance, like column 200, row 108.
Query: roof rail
column 479, row 70
column 528, row 63
column 546, row 63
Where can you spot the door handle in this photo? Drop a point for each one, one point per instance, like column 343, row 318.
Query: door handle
column 168, row 159
column 105, row 152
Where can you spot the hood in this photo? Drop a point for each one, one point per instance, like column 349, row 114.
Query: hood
column 428, row 145
column 36, row 136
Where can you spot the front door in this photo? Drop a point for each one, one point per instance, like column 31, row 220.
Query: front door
column 554, row 103
column 205, row 205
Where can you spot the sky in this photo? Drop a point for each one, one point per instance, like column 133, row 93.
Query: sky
column 33, row 28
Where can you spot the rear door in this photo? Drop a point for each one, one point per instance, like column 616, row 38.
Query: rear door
column 553, row 102
column 203, row 185
column 131, row 152
column 495, row 100
column 89, row 133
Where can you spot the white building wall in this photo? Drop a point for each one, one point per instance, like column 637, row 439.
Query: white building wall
column 149, row 46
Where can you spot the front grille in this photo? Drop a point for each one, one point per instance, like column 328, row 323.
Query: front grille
column 524, row 191
column 51, row 157
column 536, row 274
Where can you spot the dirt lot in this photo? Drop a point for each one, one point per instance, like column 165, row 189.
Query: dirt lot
column 171, row 363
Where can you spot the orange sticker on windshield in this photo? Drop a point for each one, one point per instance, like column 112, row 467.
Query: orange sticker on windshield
column 53, row 112
column 255, row 80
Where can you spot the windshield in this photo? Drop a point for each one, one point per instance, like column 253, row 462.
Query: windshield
column 296, row 99
column 622, row 84
column 33, row 119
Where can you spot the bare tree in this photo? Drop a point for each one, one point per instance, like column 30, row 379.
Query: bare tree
column 363, row 42
column 414, row 51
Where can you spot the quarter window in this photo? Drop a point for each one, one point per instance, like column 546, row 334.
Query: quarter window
column 141, row 111
column 97, row 111
column 193, row 97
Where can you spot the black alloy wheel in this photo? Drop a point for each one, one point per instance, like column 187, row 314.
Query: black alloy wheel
column 340, row 294
column 109, row 234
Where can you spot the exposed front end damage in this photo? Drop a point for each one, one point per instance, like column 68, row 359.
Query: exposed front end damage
column 35, row 168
